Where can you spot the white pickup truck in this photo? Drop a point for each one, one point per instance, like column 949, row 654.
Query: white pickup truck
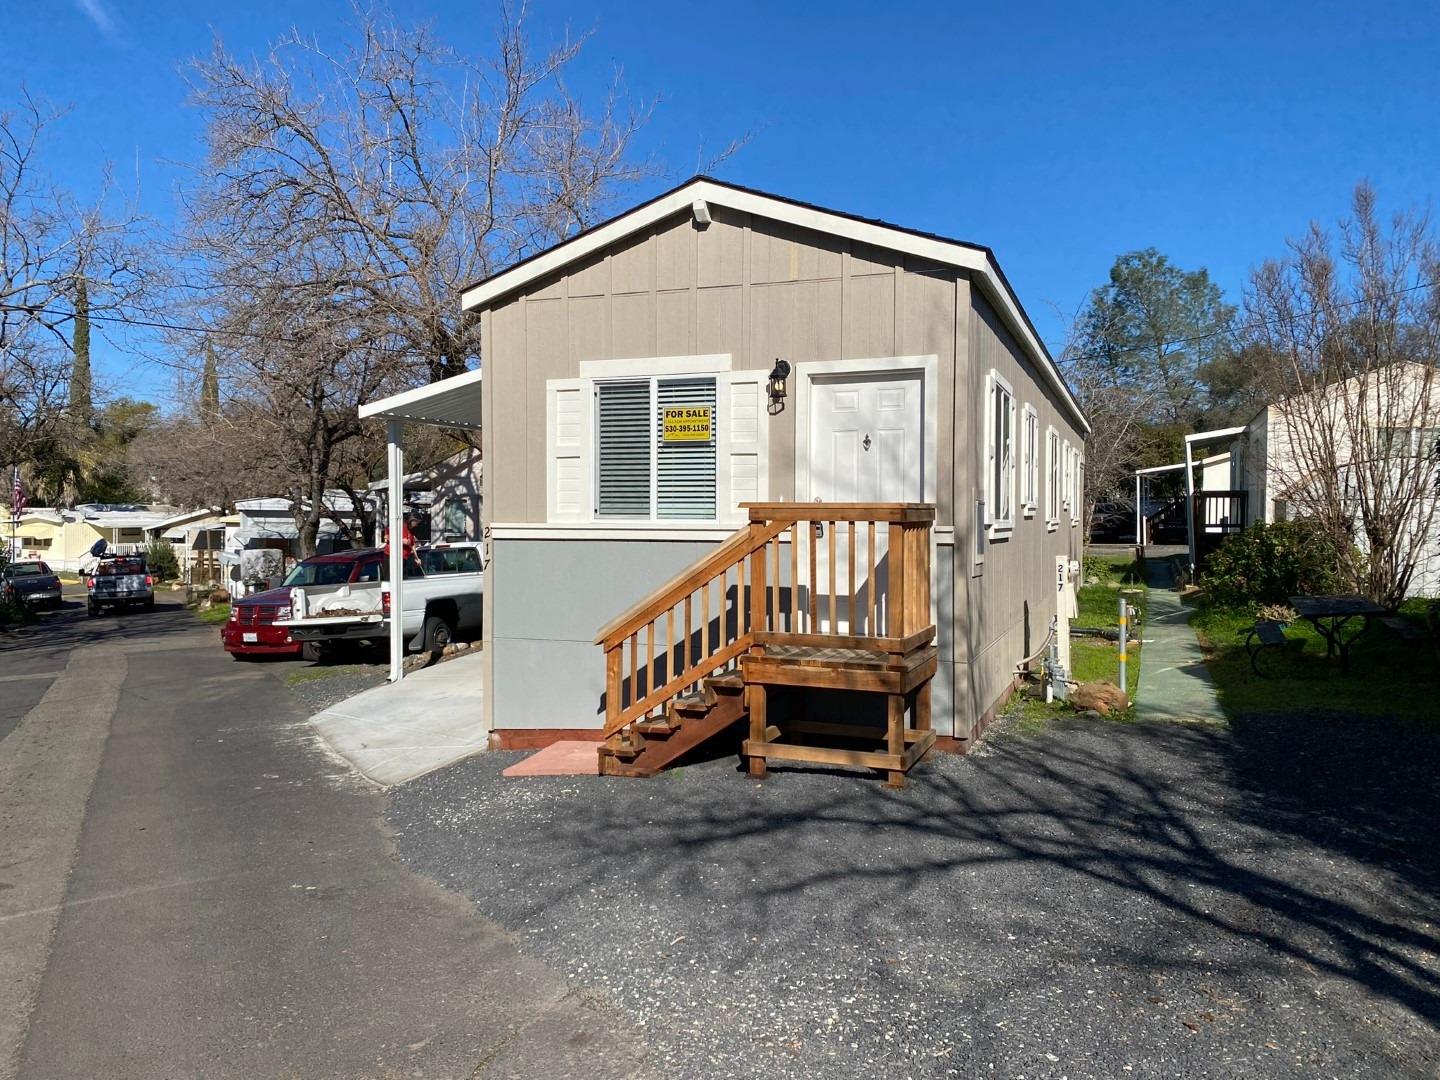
column 441, row 594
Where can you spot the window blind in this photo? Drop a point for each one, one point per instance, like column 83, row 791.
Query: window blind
column 623, row 439
column 685, row 472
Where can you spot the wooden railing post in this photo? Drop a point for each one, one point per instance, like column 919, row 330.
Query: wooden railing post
column 896, row 617
column 613, row 704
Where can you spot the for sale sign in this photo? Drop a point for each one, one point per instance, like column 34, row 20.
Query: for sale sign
column 686, row 423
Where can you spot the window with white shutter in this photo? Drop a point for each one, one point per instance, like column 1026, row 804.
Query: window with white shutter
column 644, row 471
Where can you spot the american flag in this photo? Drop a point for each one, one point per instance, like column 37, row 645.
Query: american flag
column 17, row 496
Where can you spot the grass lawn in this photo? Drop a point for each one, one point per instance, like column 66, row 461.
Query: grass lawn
column 215, row 615
column 1388, row 676
column 1094, row 659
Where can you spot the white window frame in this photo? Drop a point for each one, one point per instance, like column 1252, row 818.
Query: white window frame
column 1066, row 474
column 1030, row 454
column 1078, row 503
column 1052, row 478
column 654, row 379
column 999, row 525
column 742, row 444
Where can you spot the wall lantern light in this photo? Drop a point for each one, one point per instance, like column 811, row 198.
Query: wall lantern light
column 778, row 374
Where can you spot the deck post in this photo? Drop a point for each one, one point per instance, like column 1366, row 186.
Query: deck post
column 895, row 739
column 756, row 763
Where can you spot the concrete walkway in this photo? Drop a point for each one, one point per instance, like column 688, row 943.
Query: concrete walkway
column 402, row 730
column 1174, row 682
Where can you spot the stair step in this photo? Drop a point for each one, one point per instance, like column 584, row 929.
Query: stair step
column 626, row 751
column 696, row 704
column 659, row 728
column 730, row 682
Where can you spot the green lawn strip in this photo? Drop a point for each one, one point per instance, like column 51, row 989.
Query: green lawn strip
column 1388, row 676
column 1093, row 659
column 214, row 615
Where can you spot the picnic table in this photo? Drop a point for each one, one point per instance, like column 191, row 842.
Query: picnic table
column 1330, row 615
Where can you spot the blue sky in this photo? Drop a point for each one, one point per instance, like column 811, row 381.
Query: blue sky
column 1059, row 134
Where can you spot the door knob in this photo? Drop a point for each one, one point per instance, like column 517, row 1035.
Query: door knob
column 866, row 443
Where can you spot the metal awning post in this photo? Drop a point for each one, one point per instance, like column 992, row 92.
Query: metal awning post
column 1190, row 503
column 395, row 523
column 1139, row 515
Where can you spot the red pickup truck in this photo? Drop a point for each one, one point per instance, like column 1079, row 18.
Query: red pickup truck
column 251, row 631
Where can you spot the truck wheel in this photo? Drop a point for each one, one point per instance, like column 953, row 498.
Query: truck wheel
column 313, row 651
column 91, row 608
column 437, row 634
column 150, row 604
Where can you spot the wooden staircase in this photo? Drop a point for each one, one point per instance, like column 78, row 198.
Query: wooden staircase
column 788, row 601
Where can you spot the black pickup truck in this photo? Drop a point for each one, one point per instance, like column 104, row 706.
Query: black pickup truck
column 30, row 582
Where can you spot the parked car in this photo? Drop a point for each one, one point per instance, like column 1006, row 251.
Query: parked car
column 30, row 582
column 442, row 598
column 119, row 581
column 252, row 628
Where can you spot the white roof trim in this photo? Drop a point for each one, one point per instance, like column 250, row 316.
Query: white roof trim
column 452, row 402
column 945, row 252
column 1159, row 469
column 1217, row 433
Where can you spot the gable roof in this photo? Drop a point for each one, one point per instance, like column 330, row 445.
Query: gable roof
column 977, row 259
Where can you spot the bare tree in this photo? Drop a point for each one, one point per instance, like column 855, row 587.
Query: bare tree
column 347, row 198
column 49, row 244
column 1353, row 318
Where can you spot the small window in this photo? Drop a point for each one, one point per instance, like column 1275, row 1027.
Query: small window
column 1030, row 468
column 655, row 449
column 1052, row 481
column 369, row 572
column 1067, row 477
column 1000, row 454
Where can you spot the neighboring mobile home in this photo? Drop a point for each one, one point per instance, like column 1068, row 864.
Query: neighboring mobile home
column 629, row 412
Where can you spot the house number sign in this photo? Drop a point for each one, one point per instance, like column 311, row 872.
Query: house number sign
column 686, row 423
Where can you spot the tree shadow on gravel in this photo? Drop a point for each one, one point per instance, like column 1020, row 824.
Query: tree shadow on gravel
column 1283, row 840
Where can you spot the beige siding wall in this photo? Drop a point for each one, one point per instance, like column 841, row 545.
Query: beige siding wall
column 752, row 288
column 758, row 290
column 1003, row 605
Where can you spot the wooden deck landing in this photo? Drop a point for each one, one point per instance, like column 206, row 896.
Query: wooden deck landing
column 835, row 619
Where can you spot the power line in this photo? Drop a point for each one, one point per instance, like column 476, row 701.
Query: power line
column 1185, row 340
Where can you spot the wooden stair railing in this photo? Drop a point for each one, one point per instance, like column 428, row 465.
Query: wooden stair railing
column 660, row 668
column 856, row 577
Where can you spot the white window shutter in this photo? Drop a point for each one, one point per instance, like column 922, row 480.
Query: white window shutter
column 568, row 444
column 742, row 439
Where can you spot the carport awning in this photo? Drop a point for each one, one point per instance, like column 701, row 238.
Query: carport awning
column 452, row 403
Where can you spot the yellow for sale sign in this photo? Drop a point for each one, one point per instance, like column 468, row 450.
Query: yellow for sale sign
column 686, row 423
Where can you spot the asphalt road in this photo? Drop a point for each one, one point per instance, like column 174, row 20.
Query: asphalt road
column 191, row 887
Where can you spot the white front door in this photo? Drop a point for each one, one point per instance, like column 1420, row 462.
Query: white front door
column 867, row 439
column 866, row 445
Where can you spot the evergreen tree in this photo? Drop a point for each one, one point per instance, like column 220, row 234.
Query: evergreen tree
column 210, row 388
column 81, row 405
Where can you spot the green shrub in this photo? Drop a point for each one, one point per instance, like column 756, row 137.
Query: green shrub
column 1268, row 564
column 160, row 558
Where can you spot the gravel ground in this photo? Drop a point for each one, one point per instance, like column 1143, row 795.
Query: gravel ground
column 318, row 686
column 1102, row 900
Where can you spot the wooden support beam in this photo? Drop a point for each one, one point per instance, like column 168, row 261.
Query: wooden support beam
column 895, row 738
column 755, row 764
